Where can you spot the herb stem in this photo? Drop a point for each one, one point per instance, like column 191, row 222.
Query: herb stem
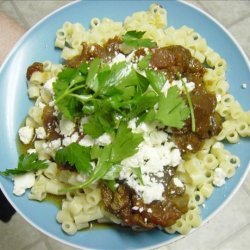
column 190, row 104
column 67, row 92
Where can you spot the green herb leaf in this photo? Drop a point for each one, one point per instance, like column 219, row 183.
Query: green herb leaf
column 76, row 155
column 26, row 163
column 134, row 39
column 111, row 184
column 102, row 167
column 142, row 104
column 93, row 127
column 144, row 62
column 113, row 173
column 138, row 173
column 66, row 87
column 125, row 143
column 172, row 109
column 156, row 79
column 92, row 81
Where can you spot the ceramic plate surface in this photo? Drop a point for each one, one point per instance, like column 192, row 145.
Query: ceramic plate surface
column 38, row 45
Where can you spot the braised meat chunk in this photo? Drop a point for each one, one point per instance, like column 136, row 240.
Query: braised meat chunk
column 36, row 66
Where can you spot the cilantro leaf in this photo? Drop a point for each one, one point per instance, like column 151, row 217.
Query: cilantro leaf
column 119, row 79
column 94, row 67
column 93, row 127
column 76, row 155
column 26, row 163
column 138, row 173
column 134, row 39
column 66, row 88
column 125, row 143
column 143, row 103
column 113, row 173
column 156, row 79
column 102, row 167
column 172, row 109
column 144, row 62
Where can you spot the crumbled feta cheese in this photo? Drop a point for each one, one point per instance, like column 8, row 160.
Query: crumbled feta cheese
column 66, row 141
column 175, row 157
column 40, row 133
column 190, row 85
column 84, row 120
column 189, row 147
column 154, row 153
column 141, row 209
column 26, row 134
column 80, row 178
column 67, row 127
column 21, row 182
column 244, row 85
column 118, row 58
column 178, row 183
column 130, row 57
column 149, row 210
column 31, row 151
column 135, row 208
column 55, row 144
column 153, row 193
column 52, row 103
column 219, row 177
column 103, row 140
column 87, row 141
column 74, row 137
column 49, row 85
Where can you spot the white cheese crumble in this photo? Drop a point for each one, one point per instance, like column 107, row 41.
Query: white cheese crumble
column 55, row 144
column 21, row 182
column 244, row 85
column 104, row 139
column 190, row 85
column 178, row 183
column 31, row 151
column 118, row 58
column 26, row 134
column 70, row 139
column 49, row 85
column 219, row 177
column 87, row 141
column 66, row 126
column 154, row 153
column 40, row 133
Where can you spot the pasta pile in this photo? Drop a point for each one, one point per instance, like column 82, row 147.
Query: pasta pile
column 200, row 172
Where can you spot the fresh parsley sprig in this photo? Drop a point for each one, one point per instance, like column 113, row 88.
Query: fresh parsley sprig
column 135, row 39
column 75, row 155
column 172, row 109
column 26, row 163
column 124, row 144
